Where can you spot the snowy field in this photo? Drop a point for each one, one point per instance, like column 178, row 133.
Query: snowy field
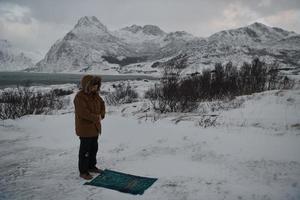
column 252, row 151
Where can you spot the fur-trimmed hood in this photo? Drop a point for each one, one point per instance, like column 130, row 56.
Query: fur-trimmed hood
column 89, row 80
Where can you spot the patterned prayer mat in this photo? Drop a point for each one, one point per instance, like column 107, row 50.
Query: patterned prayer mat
column 126, row 183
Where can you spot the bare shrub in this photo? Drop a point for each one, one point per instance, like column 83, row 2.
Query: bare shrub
column 171, row 94
column 123, row 94
column 176, row 94
column 62, row 92
column 22, row 101
column 208, row 121
column 286, row 83
column 225, row 104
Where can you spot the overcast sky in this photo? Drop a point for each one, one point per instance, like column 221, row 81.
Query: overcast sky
column 36, row 24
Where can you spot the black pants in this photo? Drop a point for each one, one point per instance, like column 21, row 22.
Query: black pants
column 87, row 153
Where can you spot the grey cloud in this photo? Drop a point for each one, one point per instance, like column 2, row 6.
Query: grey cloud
column 22, row 20
column 194, row 16
column 274, row 6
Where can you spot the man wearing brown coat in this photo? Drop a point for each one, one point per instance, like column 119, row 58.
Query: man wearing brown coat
column 89, row 111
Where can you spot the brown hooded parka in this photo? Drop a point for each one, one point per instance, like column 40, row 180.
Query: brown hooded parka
column 89, row 108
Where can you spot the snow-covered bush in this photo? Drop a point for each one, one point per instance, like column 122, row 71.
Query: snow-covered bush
column 17, row 102
column 224, row 104
column 170, row 95
column 208, row 121
column 123, row 94
column 183, row 94
column 62, row 92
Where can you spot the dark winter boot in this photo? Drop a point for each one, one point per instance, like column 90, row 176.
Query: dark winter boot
column 86, row 176
column 95, row 170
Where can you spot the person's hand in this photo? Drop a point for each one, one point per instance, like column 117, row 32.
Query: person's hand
column 99, row 119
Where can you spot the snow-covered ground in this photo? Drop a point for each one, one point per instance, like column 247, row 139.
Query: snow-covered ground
column 252, row 152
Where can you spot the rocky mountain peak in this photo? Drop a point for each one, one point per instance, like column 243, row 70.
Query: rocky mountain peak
column 134, row 28
column 262, row 29
column 147, row 30
column 90, row 21
column 153, row 30
column 12, row 58
column 179, row 34
column 258, row 25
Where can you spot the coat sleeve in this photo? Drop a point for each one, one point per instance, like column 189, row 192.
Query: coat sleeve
column 102, row 108
column 83, row 112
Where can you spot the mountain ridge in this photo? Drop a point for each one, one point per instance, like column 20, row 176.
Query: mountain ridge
column 91, row 47
column 13, row 58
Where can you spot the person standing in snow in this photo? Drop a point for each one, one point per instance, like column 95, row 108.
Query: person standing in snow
column 89, row 112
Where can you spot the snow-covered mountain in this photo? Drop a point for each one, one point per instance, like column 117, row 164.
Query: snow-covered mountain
column 12, row 58
column 90, row 46
column 83, row 48
column 254, row 34
column 240, row 45
column 145, row 41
